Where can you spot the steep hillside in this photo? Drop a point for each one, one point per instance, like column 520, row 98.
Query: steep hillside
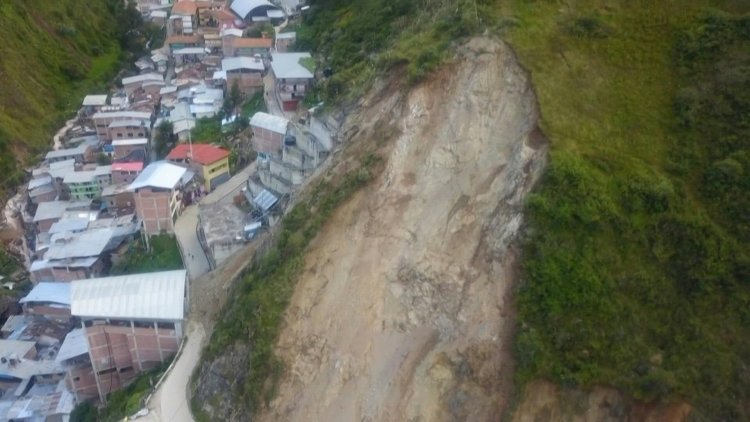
column 53, row 53
column 401, row 306
column 632, row 296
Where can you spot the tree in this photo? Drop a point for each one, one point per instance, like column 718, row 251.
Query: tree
column 103, row 159
column 233, row 100
column 163, row 138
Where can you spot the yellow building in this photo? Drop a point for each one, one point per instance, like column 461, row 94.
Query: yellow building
column 210, row 162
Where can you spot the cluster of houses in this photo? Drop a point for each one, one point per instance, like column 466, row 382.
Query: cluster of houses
column 82, row 334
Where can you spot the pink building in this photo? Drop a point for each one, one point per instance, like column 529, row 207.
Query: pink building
column 131, row 323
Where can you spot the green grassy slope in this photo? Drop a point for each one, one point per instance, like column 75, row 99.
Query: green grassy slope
column 53, row 53
column 636, row 267
column 636, row 270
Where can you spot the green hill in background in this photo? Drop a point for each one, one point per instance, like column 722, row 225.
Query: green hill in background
column 52, row 54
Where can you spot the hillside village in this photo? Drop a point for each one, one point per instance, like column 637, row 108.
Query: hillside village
column 113, row 180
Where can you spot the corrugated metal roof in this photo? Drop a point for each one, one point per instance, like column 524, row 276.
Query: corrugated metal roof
column 69, row 225
column 237, row 63
column 270, row 122
column 70, row 152
column 55, row 209
column 122, row 115
column 95, row 100
column 287, row 65
column 73, row 346
column 149, row 296
column 243, row 7
column 286, row 35
column 142, row 78
column 123, row 142
column 49, row 292
column 265, row 200
column 159, row 174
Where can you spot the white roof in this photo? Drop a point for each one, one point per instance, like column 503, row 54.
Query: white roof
column 203, row 108
column 90, row 243
column 123, row 142
column 88, row 175
column 56, row 209
column 16, row 348
column 286, row 35
column 142, row 78
column 95, row 100
column 122, row 115
column 159, row 174
column 275, row 14
column 128, row 123
column 220, row 74
column 69, row 225
column 150, row 296
column 243, row 7
column 74, row 344
column 49, row 292
column 236, row 63
column 287, row 65
column 231, row 32
column 189, row 50
column 269, row 122
column 71, row 152
column 158, row 14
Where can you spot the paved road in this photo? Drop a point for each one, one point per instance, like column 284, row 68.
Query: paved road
column 170, row 403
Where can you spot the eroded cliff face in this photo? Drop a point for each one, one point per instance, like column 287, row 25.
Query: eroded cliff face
column 403, row 311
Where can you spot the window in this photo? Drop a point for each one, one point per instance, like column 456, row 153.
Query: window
column 107, row 371
column 143, row 324
column 76, row 379
column 130, row 134
column 165, row 325
column 126, row 369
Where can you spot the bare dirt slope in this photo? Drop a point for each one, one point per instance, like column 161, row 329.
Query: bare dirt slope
column 403, row 310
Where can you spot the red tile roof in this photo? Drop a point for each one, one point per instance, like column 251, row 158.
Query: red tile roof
column 137, row 166
column 202, row 153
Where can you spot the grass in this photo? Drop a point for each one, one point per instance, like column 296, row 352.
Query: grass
column 635, row 267
column 54, row 53
column 164, row 255
column 256, row 306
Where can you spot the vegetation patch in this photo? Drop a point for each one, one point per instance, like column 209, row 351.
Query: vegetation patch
column 163, row 255
column 122, row 403
column 360, row 39
column 636, row 261
column 54, row 53
column 258, row 301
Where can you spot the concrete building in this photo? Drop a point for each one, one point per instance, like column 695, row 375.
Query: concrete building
column 222, row 228
column 291, row 77
column 50, row 300
column 87, row 184
column 125, row 173
column 48, row 213
column 122, row 148
column 132, row 83
column 84, row 153
column 131, row 323
column 211, row 163
column 246, row 72
column 91, row 104
column 128, row 129
column 284, row 41
column 247, row 47
column 79, row 373
column 103, row 119
column 158, row 196
column 268, row 134
column 176, row 42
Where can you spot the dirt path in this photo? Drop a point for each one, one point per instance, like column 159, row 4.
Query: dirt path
column 403, row 312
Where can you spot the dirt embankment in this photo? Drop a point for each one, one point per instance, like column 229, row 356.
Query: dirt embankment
column 403, row 311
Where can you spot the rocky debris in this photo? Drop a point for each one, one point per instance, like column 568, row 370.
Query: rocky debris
column 403, row 310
